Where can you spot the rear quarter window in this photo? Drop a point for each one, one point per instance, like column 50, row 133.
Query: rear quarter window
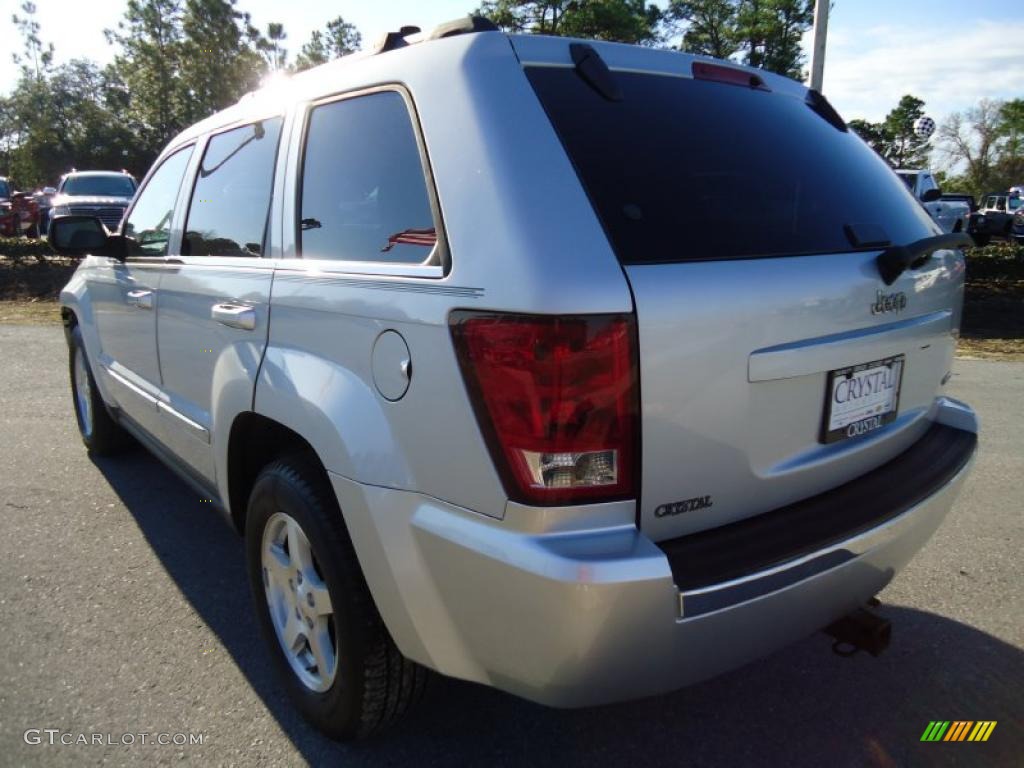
column 364, row 189
column 684, row 169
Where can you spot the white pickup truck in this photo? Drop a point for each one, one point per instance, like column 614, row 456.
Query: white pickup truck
column 951, row 215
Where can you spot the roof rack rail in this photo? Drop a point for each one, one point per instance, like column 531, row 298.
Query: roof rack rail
column 465, row 25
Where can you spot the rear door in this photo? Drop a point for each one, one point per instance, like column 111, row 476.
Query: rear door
column 774, row 361
column 214, row 295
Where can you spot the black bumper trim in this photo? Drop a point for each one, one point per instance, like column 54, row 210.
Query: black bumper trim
column 768, row 540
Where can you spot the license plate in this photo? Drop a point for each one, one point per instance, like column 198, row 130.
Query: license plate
column 861, row 398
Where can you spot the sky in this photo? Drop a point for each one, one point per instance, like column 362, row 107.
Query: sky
column 951, row 53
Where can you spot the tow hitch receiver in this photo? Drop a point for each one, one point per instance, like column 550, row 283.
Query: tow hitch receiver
column 861, row 630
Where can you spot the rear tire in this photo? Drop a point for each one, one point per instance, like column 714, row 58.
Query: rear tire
column 101, row 435
column 366, row 684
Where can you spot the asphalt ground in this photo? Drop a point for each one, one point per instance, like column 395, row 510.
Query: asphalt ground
column 124, row 610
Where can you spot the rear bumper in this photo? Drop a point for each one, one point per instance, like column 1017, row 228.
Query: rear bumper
column 574, row 616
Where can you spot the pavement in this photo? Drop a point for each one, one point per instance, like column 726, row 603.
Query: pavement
column 124, row 610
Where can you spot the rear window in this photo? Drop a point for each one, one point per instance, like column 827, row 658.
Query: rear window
column 684, row 169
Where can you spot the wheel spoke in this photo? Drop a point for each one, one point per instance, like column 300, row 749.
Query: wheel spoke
column 298, row 548
column 291, row 632
column 278, row 564
column 321, row 597
column 322, row 649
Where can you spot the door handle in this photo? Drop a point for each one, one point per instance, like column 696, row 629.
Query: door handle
column 141, row 299
column 234, row 315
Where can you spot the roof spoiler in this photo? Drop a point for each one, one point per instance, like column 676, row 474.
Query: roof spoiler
column 409, row 34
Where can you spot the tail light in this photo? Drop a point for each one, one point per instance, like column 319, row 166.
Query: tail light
column 557, row 399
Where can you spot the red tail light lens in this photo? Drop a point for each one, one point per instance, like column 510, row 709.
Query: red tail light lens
column 557, row 399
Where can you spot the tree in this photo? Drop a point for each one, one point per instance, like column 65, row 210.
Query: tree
column 149, row 65
column 38, row 57
column 314, row 53
column 894, row 138
column 65, row 120
column 627, row 21
column 907, row 149
column 759, row 33
column 272, row 48
column 986, row 142
column 710, row 26
column 342, row 38
column 181, row 60
column 873, row 133
column 1011, row 123
column 338, row 39
column 221, row 58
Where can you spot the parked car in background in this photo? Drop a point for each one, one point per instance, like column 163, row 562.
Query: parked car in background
column 997, row 216
column 44, row 199
column 972, row 205
column 597, row 432
column 19, row 213
column 103, row 194
column 961, row 197
column 1018, row 225
column 951, row 215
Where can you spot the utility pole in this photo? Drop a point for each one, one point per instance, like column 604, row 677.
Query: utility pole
column 820, row 33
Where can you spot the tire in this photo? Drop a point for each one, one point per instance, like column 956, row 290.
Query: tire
column 370, row 684
column 101, row 435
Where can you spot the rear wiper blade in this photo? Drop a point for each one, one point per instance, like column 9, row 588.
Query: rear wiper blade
column 896, row 259
column 591, row 67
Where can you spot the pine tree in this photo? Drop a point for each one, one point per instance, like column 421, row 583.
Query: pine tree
column 339, row 38
column 627, row 21
column 759, row 33
column 149, row 65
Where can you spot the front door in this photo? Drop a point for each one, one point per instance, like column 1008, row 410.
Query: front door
column 124, row 296
column 214, row 295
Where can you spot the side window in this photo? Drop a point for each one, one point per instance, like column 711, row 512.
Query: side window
column 148, row 228
column 231, row 198
column 364, row 194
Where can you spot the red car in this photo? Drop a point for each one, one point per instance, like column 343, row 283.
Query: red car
column 19, row 212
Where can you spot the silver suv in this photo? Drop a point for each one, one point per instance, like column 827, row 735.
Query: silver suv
column 466, row 335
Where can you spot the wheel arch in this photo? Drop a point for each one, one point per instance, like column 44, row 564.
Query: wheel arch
column 254, row 442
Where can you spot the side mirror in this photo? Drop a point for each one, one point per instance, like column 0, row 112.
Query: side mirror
column 931, row 195
column 80, row 236
column 49, row 191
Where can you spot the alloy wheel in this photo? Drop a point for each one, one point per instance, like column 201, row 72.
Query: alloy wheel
column 300, row 605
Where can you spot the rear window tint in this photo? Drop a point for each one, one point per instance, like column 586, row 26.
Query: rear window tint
column 685, row 169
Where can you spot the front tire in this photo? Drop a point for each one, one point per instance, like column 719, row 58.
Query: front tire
column 101, row 435
column 327, row 642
